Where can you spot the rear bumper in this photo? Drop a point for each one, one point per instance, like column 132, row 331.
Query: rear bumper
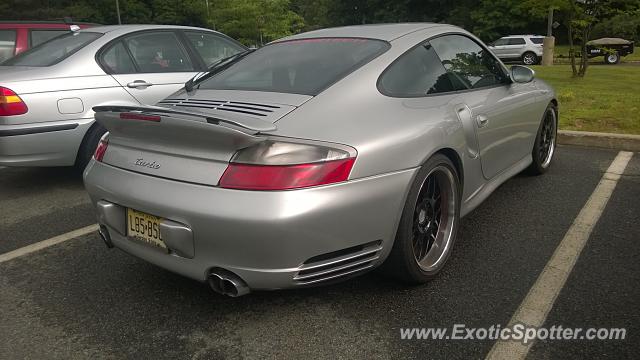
column 272, row 240
column 44, row 144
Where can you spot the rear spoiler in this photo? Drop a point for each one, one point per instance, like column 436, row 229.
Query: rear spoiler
column 245, row 124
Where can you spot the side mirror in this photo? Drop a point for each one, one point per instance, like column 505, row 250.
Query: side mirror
column 522, row 74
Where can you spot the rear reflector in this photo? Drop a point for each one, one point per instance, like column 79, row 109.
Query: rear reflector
column 285, row 177
column 135, row 116
column 101, row 150
column 10, row 103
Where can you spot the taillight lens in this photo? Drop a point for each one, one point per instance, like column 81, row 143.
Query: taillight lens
column 10, row 103
column 101, row 150
column 138, row 116
column 274, row 165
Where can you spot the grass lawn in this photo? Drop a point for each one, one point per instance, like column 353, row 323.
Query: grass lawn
column 606, row 100
column 564, row 51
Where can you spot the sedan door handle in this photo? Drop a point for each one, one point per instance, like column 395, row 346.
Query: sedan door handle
column 482, row 120
column 138, row 84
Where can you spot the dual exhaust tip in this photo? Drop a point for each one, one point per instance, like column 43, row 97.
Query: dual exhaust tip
column 227, row 283
column 221, row 281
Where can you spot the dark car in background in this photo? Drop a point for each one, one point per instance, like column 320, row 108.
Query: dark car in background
column 612, row 49
column 19, row 36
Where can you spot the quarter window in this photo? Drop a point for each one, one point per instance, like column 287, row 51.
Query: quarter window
column 7, row 44
column 212, row 48
column 469, row 64
column 537, row 40
column 416, row 73
column 158, row 52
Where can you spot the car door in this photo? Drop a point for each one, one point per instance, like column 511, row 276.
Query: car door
column 502, row 112
column 514, row 47
column 499, row 47
column 150, row 65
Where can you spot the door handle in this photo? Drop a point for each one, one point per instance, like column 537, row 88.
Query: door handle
column 482, row 120
column 137, row 84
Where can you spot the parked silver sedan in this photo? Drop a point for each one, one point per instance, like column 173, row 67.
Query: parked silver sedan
column 47, row 93
column 319, row 157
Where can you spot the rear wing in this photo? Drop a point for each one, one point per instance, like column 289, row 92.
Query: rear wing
column 244, row 124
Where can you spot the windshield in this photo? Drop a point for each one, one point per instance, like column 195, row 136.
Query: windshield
column 305, row 66
column 53, row 51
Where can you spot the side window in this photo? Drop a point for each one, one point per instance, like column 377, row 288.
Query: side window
column 516, row 41
column 501, row 42
column 211, row 47
column 117, row 60
column 537, row 40
column 37, row 37
column 418, row 72
column 158, row 52
column 469, row 65
column 7, row 44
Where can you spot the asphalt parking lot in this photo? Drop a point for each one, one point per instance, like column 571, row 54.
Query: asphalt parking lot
column 79, row 300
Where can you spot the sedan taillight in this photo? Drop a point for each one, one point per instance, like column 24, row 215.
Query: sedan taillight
column 101, row 149
column 275, row 165
column 10, row 103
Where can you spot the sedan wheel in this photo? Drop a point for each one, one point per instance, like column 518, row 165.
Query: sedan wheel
column 429, row 223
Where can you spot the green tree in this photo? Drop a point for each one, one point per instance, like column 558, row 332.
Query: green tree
column 255, row 21
column 579, row 17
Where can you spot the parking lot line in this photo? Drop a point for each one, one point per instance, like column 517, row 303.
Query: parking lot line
column 535, row 307
column 47, row 243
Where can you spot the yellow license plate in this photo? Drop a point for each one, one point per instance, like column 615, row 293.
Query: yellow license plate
column 144, row 227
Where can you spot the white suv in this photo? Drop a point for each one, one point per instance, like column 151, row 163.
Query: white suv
column 527, row 48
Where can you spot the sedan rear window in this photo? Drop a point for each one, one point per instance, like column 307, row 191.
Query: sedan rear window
column 305, row 66
column 54, row 51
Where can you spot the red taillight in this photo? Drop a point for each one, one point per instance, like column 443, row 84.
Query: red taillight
column 10, row 103
column 100, row 150
column 135, row 116
column 284, row 177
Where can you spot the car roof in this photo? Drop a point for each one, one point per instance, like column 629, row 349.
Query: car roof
column 526, row 36
column 386, row 32
column 137, row 27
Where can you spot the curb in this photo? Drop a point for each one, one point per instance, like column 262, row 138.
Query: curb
column 600, row 140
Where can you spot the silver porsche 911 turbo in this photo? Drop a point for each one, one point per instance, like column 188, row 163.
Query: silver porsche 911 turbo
column 319, row 157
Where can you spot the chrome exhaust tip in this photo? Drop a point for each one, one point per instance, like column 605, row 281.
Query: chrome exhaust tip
column 227, row 283
column 104, row 235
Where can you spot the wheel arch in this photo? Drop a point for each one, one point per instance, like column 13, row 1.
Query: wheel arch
column 455, row 158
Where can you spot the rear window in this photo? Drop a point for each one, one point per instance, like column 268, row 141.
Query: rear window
column 305, row 66
column 537, row 40
column 37, row 37
column 7, row 44
column 516, row 41
column 54, row 51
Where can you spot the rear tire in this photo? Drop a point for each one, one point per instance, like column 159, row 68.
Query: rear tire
column 429, row 224
column 545, row 143
column 612, row 59
column 529, row 58
column 88, row 146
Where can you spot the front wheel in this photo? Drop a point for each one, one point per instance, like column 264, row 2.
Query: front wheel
column 429, row 223
column 545, row 143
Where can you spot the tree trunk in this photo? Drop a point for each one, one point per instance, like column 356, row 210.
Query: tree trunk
column 572, row 51
column 584, row 61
